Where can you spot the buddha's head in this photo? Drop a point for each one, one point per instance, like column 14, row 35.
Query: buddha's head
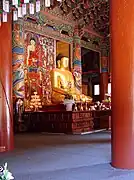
column 32, row 41
column 64, row 62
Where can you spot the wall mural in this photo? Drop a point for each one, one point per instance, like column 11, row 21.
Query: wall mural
column 39, row 61
column 33, row 59
column 18, row 61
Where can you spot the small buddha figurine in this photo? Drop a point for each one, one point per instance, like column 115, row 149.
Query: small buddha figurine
column 62, row 81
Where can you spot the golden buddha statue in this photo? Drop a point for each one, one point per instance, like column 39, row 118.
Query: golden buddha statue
column 62, row 81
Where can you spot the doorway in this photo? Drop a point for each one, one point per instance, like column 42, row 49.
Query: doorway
column 90, row 73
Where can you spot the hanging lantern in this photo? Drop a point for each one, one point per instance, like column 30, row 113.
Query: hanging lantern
column 14, row 2
column 15, row 15
column 31, row 8
column 4, row 16
column 37, row 6
column 47, row 3
column 26, row 1
column 24, row 9
column 5, row 6
column 19, row 8
column 20, row 12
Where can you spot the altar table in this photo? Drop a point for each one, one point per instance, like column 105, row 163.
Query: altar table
column 68, row 122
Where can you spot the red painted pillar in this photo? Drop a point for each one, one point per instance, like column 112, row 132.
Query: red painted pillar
column 6, row 110
column 104, row 85
column 122, row 44
column 104, row 77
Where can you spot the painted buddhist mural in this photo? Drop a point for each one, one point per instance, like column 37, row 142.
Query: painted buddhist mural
column 39, row 61
column 32, row 64
column 18, row 61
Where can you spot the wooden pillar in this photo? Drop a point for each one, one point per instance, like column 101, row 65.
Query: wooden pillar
column 122, row 48
column 6, row 110
column 104, row 77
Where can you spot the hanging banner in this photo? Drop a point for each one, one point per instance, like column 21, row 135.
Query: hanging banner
column 24, row 9
column 47, row 3
column 37, row 6
column 4, row 17
column 15, row 15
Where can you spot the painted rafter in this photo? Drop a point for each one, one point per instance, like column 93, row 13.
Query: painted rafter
column 95, row 12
